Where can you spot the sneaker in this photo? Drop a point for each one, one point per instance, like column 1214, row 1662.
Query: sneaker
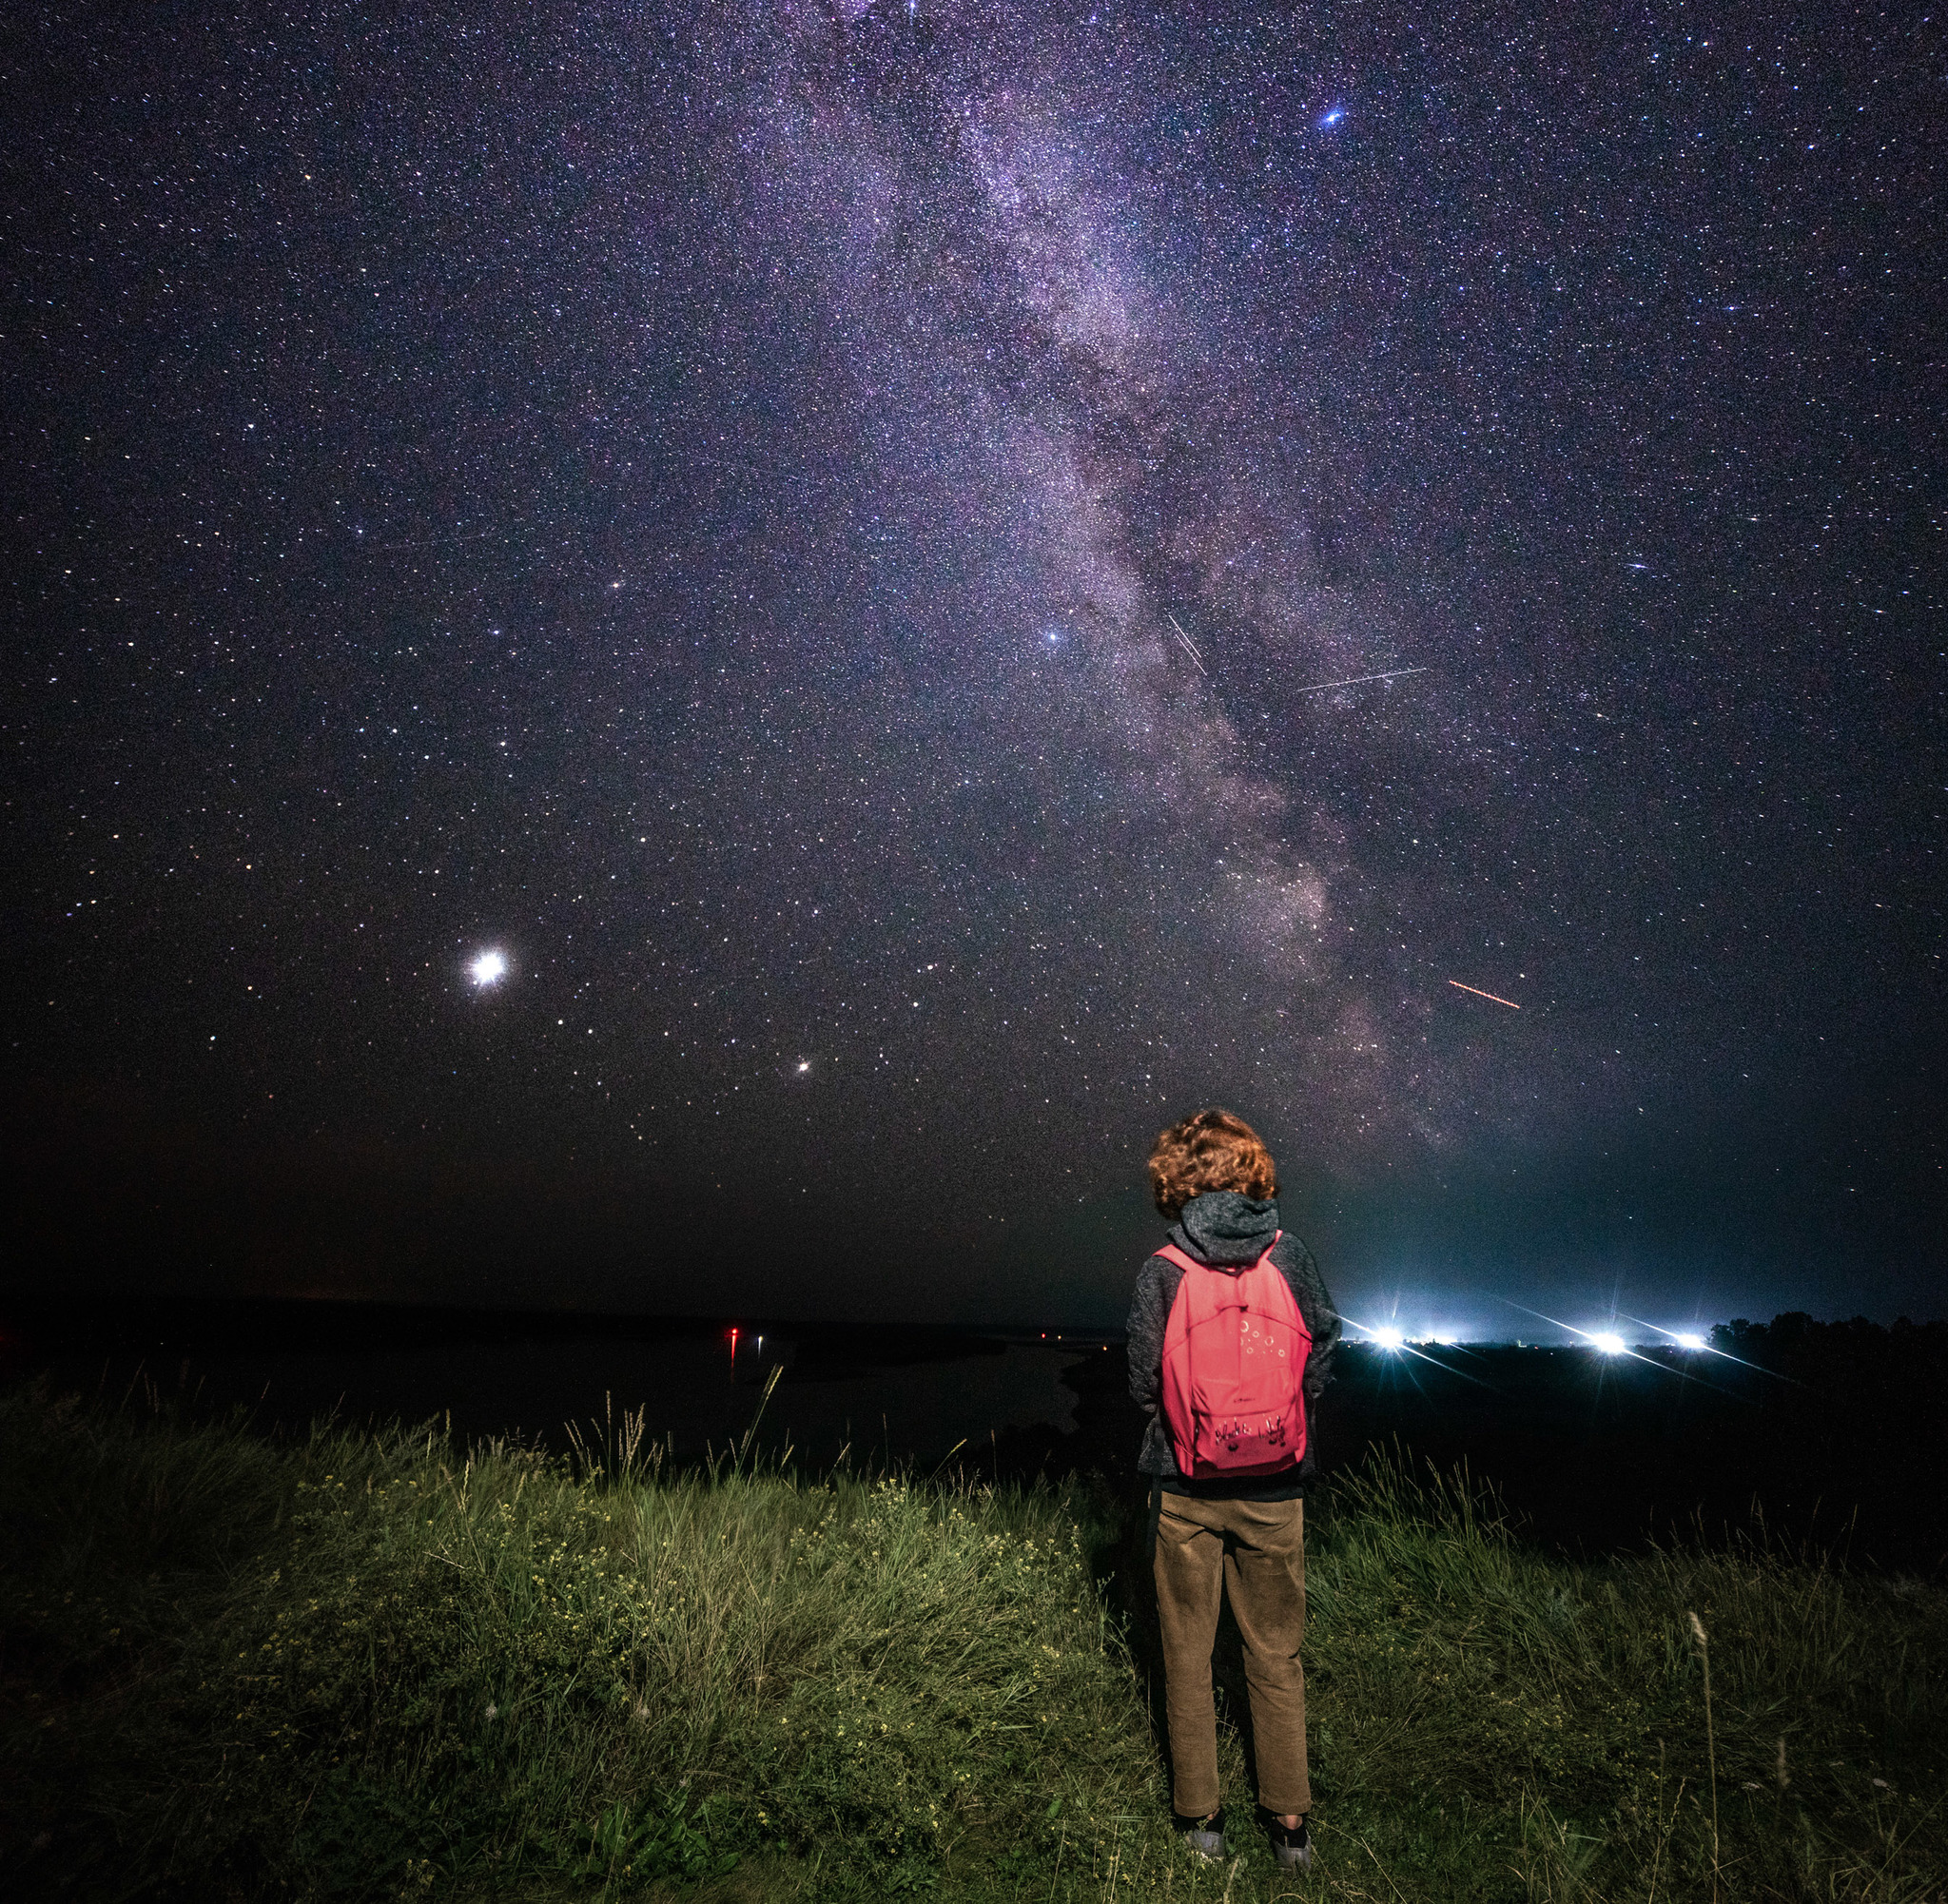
column 1293, row 1848
column 1203, row 1837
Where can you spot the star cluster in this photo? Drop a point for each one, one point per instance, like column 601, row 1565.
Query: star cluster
column 771, row 632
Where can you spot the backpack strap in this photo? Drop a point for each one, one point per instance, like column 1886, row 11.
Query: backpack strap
column 1185, row 1260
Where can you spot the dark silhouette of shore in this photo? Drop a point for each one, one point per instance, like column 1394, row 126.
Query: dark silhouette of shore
column 1829, row 1437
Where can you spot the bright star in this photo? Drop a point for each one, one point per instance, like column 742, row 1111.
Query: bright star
column 804, row 1064
column 488, row 968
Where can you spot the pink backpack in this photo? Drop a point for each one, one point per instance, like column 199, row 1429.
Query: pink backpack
column 1234, row 1368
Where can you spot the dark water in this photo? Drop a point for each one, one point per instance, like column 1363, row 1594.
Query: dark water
column 887, row 1396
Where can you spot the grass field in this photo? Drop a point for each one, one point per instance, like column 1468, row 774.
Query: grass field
column 370, row 1665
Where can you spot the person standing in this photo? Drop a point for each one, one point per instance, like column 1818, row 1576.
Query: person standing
column 1231, row 1340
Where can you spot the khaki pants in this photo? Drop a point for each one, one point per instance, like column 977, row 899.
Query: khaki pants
column 1254, row 1551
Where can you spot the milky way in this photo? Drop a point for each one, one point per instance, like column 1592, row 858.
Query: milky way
column 945, row 584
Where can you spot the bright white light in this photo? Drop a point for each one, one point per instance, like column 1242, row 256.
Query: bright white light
column 804, row 1064
column 1691, row 1342
column 1446, row 1341
column 1388, row 1338
column 1610, row 1344
column 488, row 968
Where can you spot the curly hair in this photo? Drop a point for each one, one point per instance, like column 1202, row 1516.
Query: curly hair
column 1210, row 1150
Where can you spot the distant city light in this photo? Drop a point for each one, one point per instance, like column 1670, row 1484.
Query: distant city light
column 1388, row 1338
column 488, row 968
column 1608, row 1343
column 1691, row 1341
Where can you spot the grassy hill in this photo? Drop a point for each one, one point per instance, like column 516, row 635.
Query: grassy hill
column 376, row 1666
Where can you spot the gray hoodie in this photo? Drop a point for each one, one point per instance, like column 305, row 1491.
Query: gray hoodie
column 1225, row 1229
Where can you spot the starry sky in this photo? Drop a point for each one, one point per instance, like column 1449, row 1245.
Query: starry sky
column 944, row 584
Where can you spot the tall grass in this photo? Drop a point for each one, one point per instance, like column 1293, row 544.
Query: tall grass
column 1478, row 1701
column 372, row 1665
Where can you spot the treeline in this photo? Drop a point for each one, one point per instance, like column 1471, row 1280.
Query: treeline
column 1795, row 1344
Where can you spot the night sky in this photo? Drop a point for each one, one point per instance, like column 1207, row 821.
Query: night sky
column 945, row 584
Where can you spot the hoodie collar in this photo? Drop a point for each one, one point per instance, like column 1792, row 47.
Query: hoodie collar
column 1225, row 1230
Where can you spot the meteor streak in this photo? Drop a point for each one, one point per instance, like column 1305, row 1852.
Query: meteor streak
column 1353, row 681
column 1190, row 647
column 1480, row 994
